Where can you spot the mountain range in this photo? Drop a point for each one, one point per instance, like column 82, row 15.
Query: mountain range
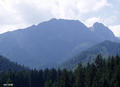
column 106, row 49
column 52, row 42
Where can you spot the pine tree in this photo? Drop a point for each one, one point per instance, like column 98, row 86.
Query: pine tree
column 89, row 75
column 79, row 76
column 64, row 79
column 48, row 83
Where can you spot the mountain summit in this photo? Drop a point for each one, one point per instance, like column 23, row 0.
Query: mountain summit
column 102, row 31
column 52, row 42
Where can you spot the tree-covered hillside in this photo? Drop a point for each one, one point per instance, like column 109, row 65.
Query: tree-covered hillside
column 101, row 73
column 6, row 65
column 106, row 48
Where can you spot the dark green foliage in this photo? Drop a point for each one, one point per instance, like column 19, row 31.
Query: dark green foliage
column 79, row 76
column 101, row 73
column 48, row 83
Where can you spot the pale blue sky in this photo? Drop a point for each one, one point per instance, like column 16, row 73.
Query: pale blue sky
column 16, row 14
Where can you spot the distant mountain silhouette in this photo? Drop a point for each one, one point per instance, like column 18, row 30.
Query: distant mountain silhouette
column 102, row 31
column 106, row 48
column 52, row 42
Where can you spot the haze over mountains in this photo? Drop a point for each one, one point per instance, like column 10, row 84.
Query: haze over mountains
column 6, row 65
column 52, row 42
column 106, row 49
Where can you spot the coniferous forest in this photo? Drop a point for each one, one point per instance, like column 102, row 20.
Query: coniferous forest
column 100, row 73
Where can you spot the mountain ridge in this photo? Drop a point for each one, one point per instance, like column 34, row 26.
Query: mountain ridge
column 48, row 43
column 105, row 48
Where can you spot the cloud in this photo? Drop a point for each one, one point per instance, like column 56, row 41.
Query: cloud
column 92, row 5
column 115, row 29
column 107, row 21
column 19, row 13
column 90, row 21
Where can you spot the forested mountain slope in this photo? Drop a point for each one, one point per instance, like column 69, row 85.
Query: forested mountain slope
column 106, row 48
column 6, row 65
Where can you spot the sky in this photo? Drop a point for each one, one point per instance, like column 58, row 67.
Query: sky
column 18, row 14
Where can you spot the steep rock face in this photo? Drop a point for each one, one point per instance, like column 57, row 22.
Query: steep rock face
column 49, row 43
column 103, row 32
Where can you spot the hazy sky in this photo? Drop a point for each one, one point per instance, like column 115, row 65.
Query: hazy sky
column 22, row 13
